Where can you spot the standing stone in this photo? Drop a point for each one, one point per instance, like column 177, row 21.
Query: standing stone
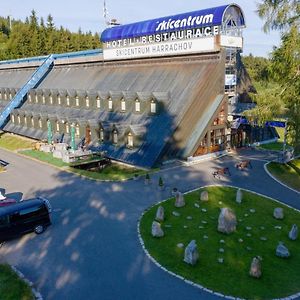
column 156, row 230
column 204, row 196
column 278, row 213
column 239, row 196
column 293, row 234
column 227, row 221
column 282, row 251
column 160, row 214
column 191, row 254
column 255, row 269
column 179, row 202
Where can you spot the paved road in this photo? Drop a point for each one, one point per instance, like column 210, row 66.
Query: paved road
column 92, row 251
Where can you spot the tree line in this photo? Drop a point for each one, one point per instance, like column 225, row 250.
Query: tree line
column 35, row 37
column 279, row 77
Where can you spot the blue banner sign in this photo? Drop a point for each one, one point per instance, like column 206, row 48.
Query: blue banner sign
column 280, row 124
column 202, row 18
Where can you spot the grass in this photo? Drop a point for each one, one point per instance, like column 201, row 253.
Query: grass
column 288, row 173
column 280, row 277
column 275, row 146
column 45, row 157
column 13, row 143
column 12, row 287
column 111, row 172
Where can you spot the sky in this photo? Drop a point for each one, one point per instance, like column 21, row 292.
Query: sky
column 88, row 15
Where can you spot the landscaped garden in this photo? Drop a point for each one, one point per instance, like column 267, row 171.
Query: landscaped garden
column 225, row 259
column 288, row 174
column 110, row 172
column 12, row 287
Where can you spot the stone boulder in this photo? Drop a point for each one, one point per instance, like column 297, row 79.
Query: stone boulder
column 227, row 221
column 239, row 196
column 191, row 254
column 278, row 213
column 204, row 196
column 282, row 251
column 255, row 268
column 160, row 214
column 293, row 234
column 156, row 230
column 179, row 200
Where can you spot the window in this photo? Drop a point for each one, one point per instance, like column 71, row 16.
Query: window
column 98, row 102
column 101, row 137
column 51, row 99
column 153, row 107
column 87, row 102
column 10, row 96
column 110, row 104
column 137, row 105
column 57, row 126
column 1, row 95
column 25, row 120
column 77, row 131
column 40, row 123
column 67, row 128
column 36, row 99
column 44, row 99
column 29, row 97
column 32, row 121
column 130, row 140
column 19, row 120
column 13, row 118
column 115, row 137
column 123, row 105
column 68, row 101
column 77, row 101
column 58, row 100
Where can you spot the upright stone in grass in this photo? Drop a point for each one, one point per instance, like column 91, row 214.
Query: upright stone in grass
column 179, row 200
column 204, row 196
column 191, row 254
column 227, row 221
column 156, row 230
column 282, row 251
column 160, row 214
column 255, row 269
column 239, row 196
column 278, row 213
column 293, row 234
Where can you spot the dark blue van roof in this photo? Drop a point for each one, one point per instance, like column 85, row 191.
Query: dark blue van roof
column 6, row 210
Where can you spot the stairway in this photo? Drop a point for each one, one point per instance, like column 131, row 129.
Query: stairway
column 31, row 83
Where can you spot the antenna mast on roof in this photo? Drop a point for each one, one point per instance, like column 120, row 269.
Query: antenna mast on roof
column 113, row 21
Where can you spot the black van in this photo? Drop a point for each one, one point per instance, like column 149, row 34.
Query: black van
column 23, row 217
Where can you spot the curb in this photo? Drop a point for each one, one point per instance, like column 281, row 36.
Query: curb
column 277, row 180
column 186, row 280
column 37, row 295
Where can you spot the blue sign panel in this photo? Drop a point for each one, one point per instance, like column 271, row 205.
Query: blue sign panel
column 280, row 124
column 197, row 19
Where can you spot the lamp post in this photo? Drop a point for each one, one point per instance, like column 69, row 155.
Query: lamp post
column 50, row 136
column 73, row 145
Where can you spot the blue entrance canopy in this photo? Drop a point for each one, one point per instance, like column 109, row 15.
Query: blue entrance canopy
column 228, row 15
column 280, row 124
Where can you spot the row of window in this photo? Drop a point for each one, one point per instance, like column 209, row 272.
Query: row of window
column 153, row 105
column 65, row 126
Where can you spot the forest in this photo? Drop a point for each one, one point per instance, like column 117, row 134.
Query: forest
column 35, row 37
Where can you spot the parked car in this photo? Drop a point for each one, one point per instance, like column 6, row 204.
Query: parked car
column 23, row 217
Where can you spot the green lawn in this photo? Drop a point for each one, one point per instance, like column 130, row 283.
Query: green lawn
column 13, row 142
column 111, row 172
column 12, row 287
column 45, row 157
column 289, row 173
column 281, row 277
